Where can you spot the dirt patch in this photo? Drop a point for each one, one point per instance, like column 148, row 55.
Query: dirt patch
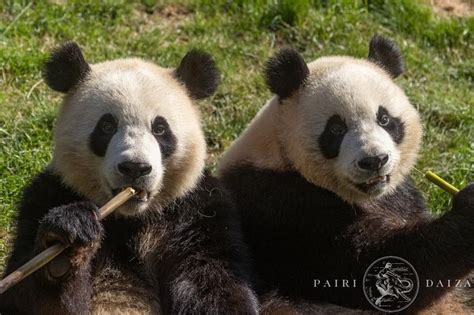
column 166, row 16
column 459, row 8
column 162, row 19
column 174, row 12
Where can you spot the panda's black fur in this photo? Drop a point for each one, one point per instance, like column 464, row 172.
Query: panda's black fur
column 286, row 72
column 387, row 55
column 185, row 257
column 199, row 86
column 196, row 238
column 65, row 67
column 298, row 232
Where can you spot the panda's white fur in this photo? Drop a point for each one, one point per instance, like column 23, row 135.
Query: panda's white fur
column 136, row 91
column 284, row 133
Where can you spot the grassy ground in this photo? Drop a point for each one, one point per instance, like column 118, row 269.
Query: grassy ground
column 241, row 35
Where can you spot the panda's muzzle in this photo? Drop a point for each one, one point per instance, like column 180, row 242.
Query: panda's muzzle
column 134, row 170
column 373, row 163
column 133, row 173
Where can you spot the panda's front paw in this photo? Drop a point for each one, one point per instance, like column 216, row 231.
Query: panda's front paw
column 463, row 201
column 76, row 225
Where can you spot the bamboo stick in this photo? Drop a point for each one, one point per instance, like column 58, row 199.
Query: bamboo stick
column 51, row 252
column 438, row 181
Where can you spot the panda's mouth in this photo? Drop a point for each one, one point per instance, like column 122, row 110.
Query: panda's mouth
column 373, row 183
column 141, row 196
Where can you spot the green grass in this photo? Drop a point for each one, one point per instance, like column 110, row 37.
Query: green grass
column 241, row 35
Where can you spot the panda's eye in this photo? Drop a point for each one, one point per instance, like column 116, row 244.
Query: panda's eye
column 159, row 130
column 384, row 120
column 107, row 127
column 337, row 129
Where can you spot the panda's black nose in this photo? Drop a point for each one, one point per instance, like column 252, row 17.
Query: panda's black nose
column 134, row 170
column 373, row 163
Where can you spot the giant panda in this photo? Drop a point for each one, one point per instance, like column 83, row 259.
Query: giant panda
column 176, row 248
column 321, row 177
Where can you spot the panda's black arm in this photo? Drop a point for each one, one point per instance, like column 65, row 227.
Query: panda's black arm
column 439, row 249
column 206, row 268
column 46, row 191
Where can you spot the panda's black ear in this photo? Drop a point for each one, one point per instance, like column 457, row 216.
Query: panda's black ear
column 199, row 73
column 65, row 67
column 286, row 72
column 385, row 53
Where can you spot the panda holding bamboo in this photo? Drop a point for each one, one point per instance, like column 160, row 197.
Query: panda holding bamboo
column 176, row 248
column 321, row 177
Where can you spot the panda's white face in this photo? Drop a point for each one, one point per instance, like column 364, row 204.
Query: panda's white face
column 130, row 123
column 341, row 122
column 357, row 134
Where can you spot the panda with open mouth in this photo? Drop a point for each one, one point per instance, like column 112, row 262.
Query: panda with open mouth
column 176, row 247
column 321, row 177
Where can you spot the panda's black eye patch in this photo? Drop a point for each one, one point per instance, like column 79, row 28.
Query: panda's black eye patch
column 331, row 138
column 165, row 137
column 104, row 131
column 394, row 126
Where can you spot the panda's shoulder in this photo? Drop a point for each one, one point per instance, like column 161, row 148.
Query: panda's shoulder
column 209, row 201
column 209, row 182
column 48, row 190
column 210, row 192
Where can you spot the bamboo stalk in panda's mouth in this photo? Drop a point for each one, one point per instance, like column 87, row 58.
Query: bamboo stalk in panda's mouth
column 51, row 252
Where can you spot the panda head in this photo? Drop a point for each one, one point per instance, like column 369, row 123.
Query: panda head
column 129, row 122
column 341, row 122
